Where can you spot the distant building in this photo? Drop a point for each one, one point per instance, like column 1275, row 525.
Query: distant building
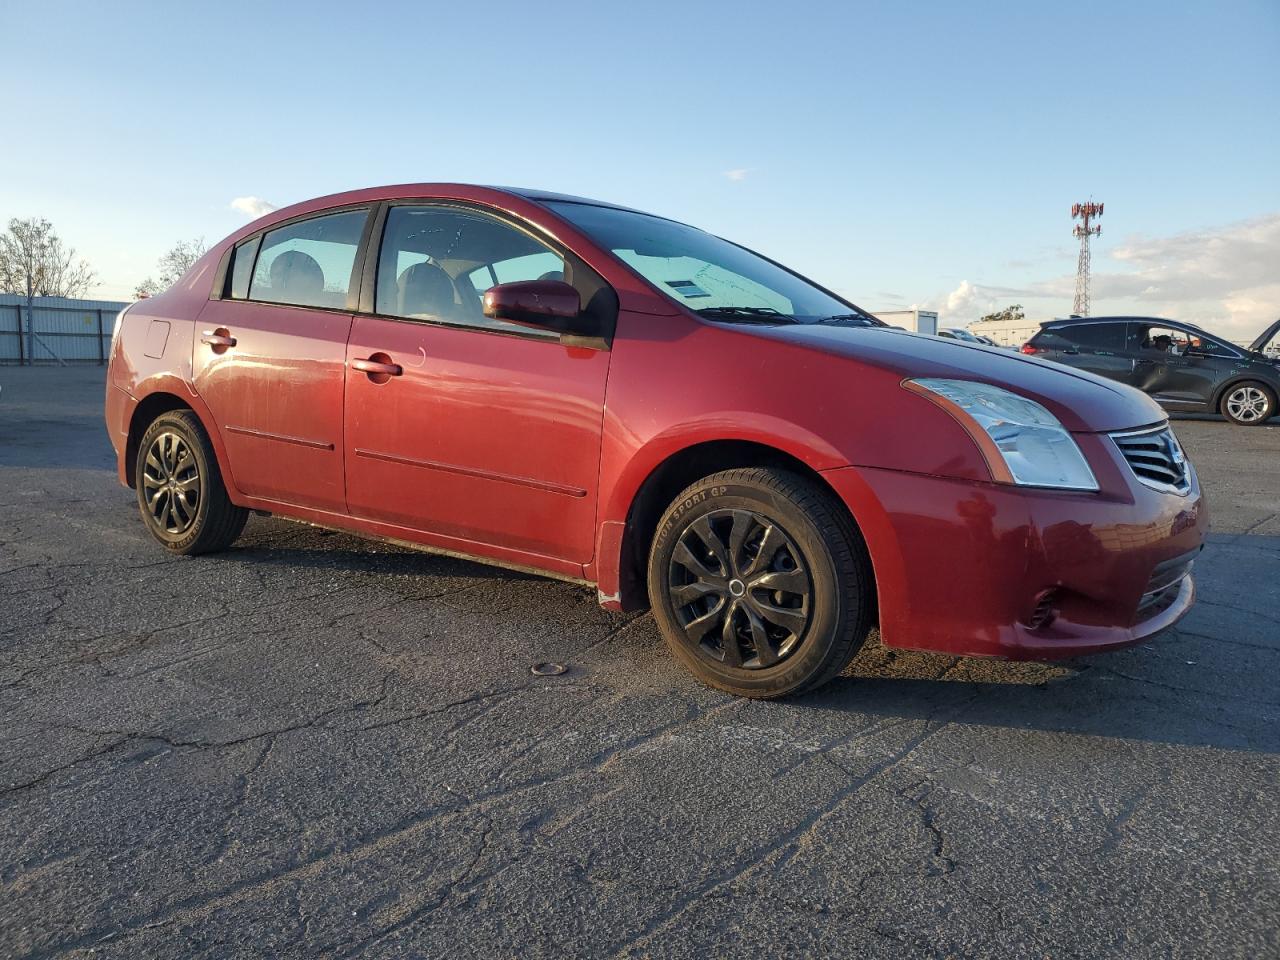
column 1007, row 333
column 917, row 321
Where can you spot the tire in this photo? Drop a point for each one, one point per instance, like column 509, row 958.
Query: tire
column 706, row 573
column 1248, row 403
column 181, row 496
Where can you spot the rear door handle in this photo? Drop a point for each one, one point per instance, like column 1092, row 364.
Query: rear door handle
column 377, row 366
column 215, row 339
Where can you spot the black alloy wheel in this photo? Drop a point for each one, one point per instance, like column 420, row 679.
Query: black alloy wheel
column 760, row 582
column 181, row 496
column 740, row 589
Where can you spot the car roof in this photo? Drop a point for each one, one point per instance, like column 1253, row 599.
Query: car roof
column 547, row 196
column 543, row 196
column 1072, row 321
column 1069, row 321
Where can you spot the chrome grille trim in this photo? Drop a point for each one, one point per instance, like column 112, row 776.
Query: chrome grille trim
column 1156, row 458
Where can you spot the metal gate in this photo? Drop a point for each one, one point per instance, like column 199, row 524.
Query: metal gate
column 65, row 331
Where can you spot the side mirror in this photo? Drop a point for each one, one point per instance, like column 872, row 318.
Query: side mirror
column 544, row 304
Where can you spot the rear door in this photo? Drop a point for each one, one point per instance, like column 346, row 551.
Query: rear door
column 269, row 358
column 485, row 433
column 1099, row 348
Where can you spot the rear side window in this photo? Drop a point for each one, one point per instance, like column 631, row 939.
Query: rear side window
column 1085, row 336
column 308, row 263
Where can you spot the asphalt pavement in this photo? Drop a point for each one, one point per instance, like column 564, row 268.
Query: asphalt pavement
column 317, row 746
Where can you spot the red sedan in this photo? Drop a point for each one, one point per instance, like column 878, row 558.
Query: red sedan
column 617, row 399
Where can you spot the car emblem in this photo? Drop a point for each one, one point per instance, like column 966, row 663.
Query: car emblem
column 1175, row 449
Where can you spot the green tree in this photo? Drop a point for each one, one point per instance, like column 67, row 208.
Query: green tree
column 1014, row 312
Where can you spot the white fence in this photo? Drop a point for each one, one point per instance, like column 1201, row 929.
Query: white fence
column 65, row 331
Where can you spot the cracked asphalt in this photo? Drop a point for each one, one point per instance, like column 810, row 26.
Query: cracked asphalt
column 313, row 745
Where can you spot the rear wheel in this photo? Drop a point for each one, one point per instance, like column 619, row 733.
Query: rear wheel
column 760, row 583
column 181, row 495
column 1248, row 404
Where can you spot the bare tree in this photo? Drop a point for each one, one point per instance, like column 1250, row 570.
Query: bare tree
column 35, row 263
column 180, row 258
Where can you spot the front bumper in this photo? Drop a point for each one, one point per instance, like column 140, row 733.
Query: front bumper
column 986, row 569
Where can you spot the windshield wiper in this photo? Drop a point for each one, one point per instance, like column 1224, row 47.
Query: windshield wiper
column 861, row 319
column 746, row 314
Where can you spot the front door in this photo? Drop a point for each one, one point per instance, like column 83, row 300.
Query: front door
column 269, row 360
column 1178, row 366
column 483, row 433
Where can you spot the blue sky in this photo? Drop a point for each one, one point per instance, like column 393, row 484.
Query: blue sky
column 923, row 153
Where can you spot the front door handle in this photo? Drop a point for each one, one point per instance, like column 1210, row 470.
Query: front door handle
column 373, row 367
column 215, row 338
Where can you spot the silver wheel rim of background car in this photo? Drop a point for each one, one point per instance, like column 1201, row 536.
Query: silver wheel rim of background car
column 739, row 589
column 1247, row 404
column 171, row 484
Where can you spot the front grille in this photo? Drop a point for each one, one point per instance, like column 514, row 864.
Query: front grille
column 1156, row 458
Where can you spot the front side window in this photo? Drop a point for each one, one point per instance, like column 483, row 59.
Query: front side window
column 712, row 277
column 436, row 263
column 1208, row 347
column 309, row 263
column 1179, row 342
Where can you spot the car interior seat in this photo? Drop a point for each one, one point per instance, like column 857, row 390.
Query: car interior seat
column 296, row 277
column 425, row 288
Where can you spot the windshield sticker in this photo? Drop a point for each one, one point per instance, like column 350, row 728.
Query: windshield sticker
column 687, row 289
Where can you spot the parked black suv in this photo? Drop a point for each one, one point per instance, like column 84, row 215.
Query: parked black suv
column 1180, row 365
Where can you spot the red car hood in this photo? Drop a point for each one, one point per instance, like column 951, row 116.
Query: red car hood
column 1081, row 401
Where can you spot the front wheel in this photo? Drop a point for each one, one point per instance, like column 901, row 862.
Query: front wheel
column 1248, row 404
column 181, row 496
column 760, row 582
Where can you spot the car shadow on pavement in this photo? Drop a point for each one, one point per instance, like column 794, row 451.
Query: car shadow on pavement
column 284, row 543
column 1209, row 681
column 1147, row 694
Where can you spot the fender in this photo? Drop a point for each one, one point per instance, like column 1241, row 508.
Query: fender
column 727, row 425
column 619, row 492
column 1236, row 379
column 172, row 384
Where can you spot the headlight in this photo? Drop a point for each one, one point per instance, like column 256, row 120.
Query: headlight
column 1022, row 442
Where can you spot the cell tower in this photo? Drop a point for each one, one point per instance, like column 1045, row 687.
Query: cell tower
column 1085, row 213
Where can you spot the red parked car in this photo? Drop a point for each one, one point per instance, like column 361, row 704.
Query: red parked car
column 617, row 399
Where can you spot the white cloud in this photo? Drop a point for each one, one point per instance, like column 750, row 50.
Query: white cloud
column 738, row 174
column 1225, row 278
column 967, row 302
column 252, row 207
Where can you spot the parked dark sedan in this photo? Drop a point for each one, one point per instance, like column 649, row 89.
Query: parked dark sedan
column 1181, row 366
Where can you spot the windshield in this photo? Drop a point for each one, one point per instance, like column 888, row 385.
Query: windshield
column 713, row 277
